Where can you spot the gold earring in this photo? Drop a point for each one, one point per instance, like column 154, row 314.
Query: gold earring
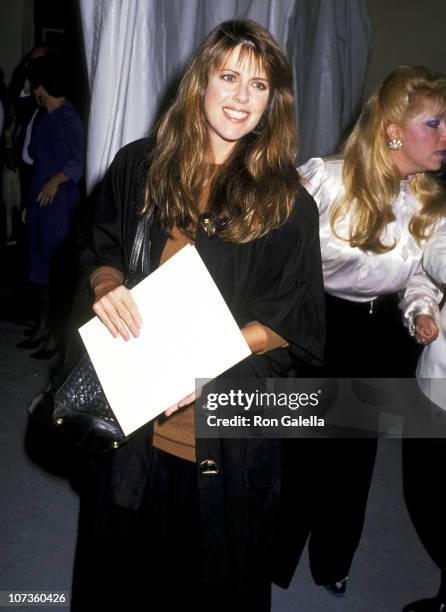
column 395, row 144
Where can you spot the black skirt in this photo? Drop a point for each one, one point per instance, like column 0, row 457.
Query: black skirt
column 151, row 558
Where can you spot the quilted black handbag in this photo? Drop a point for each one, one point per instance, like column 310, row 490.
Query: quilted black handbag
column 81, row 410
column 75, row 399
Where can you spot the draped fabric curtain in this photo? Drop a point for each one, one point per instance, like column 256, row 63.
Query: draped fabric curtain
column 136, row 49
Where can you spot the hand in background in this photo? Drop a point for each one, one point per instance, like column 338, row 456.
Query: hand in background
column 48, row 192
column 426, row 330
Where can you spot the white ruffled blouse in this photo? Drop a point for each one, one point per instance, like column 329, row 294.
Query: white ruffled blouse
column 359, row 276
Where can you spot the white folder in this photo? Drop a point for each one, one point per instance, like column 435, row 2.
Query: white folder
column 188, row 333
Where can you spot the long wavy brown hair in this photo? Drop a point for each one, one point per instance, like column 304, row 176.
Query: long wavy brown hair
column 370, row 176
column 254, row 190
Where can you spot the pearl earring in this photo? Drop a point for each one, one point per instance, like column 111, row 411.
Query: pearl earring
column 395, row 144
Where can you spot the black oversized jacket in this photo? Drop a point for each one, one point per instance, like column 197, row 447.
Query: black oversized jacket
column 276, row 280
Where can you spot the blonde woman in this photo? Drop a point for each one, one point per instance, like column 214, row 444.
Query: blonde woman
column 189, row 522
column 377, row 207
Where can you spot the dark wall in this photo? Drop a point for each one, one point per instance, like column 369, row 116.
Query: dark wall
column 58, row 24
column 406, row 32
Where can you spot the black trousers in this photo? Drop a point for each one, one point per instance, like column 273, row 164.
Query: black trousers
column 326, row 481
column 324, row 496
column 151, row 558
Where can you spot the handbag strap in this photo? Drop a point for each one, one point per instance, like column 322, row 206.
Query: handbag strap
column 140, row 255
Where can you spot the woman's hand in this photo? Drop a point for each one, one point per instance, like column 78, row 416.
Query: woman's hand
column 117, row 310
column 426, row 330
column 24, row 215
column 48, row 192
column 184, row 402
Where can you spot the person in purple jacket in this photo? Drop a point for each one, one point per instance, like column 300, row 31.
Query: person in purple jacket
column 57, row 150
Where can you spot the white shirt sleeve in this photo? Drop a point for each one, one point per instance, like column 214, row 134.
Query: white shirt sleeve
column 324, row 184
column 434, row 256
column 422, row 296
column 423, row 293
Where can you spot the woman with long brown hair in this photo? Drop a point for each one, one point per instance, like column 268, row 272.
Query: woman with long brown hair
column 377, row 205
column 190, row 520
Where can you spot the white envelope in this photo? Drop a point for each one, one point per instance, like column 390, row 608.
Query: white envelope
column 188, row 333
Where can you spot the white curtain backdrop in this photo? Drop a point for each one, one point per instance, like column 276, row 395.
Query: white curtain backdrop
column 136, row 48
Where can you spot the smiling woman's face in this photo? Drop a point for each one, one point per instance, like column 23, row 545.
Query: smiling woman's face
column 236, row 97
